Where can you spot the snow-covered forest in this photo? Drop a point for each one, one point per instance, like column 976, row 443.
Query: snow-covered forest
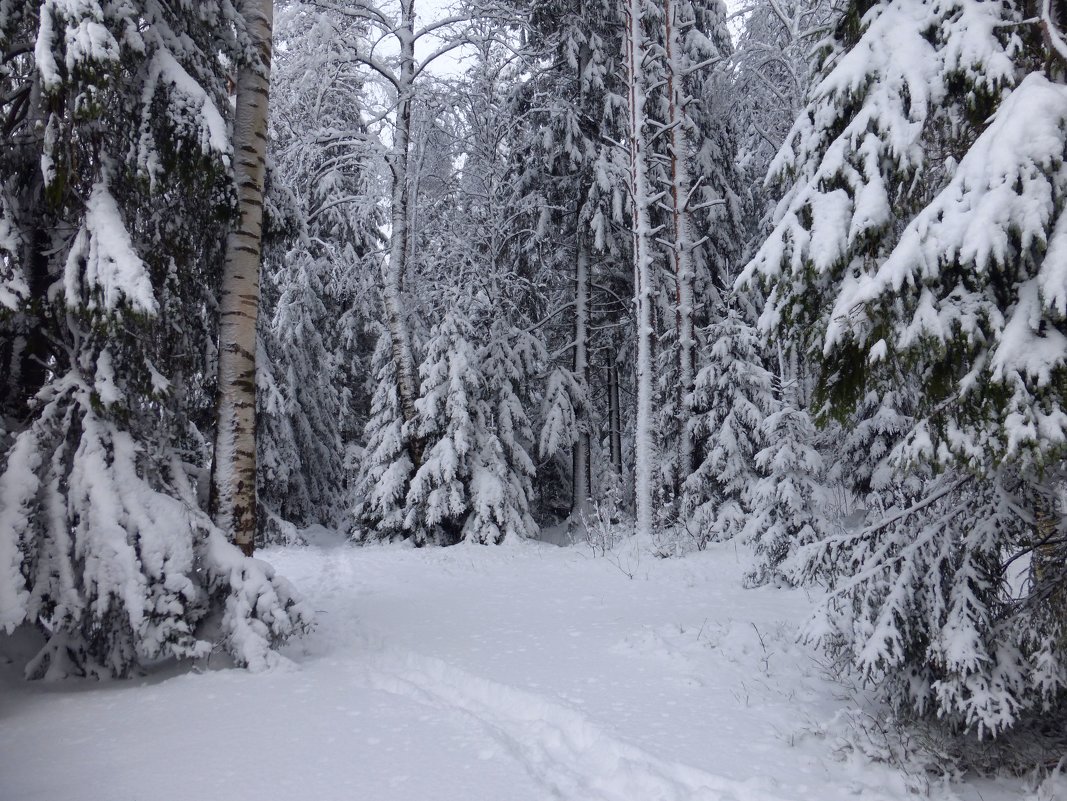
column 592, row 399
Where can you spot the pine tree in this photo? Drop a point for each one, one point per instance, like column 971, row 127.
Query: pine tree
column 636, row 46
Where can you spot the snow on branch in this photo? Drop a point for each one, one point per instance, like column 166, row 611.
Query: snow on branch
column 104, row 257
column 164, row 68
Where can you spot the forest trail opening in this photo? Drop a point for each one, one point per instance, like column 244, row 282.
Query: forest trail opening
column 525, row 672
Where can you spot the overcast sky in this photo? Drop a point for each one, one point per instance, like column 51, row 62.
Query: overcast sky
column 452, row 63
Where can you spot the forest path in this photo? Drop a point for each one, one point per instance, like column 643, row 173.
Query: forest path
column 519, row 673
column 618, row 678
column 563, row 750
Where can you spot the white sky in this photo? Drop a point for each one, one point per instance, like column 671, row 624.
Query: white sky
column 428, row 11
column 452, row 63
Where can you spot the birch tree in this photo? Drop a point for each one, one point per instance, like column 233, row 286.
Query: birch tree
column 233, row 471
column 402, row 80
column 106, row 556
column 401, row 74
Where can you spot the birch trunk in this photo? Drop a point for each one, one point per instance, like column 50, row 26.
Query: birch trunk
column 642, row 234
column 233, row 475
column 393, row 271
column 682, row 250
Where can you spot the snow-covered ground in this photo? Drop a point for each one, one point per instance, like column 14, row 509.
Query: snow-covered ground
column 518, row 673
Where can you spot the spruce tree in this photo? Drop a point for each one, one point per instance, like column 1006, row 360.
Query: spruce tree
column 730, row 400
column 783, row 498
column 317, row 284
column 509, row 362
column 693, row 163
column 385, row 467
column 116, row 194
column 439, row 499
column 573, row 184
column 916, row 250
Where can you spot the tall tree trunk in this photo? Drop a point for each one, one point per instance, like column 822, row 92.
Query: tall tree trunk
column 1047, row 563
column 614, row 415
column 580, row 483
column 642, row 234
column 233, row 475
column 393, row 271
column 682, row 250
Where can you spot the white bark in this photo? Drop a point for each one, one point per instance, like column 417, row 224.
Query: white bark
column 400, row 75
column 642, row 234
column 394, row 269
column 233, row 475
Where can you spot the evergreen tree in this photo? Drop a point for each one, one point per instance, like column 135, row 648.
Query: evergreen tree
column 385, row 467
column 928, row 605
column 299, row 374
column 855, row 161
column 695, row 151
column 562, row 396
column 439, row 499
column 317, row 276
column 729, row 402
column 502, row 477
column 917, row 249
column 860, row 453
column 783, row 515
column 573, row 184
column 775, row 64
column 116, row 194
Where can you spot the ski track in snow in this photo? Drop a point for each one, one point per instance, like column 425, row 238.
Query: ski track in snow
column 560, row 748
column 519, row 673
